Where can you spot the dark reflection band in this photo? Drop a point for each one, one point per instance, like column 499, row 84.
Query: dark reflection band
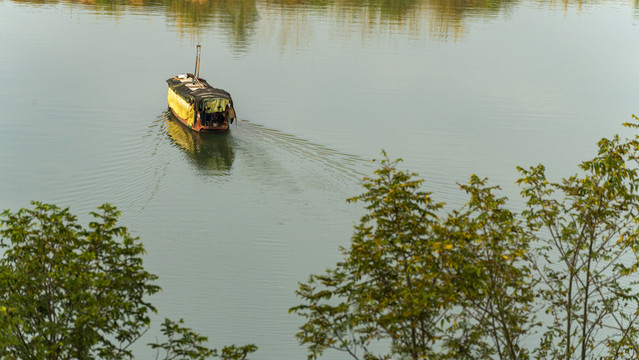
column 239, row 18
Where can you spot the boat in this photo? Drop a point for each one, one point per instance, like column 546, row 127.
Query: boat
column 199, row 105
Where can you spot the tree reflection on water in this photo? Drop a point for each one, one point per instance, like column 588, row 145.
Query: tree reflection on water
column 438, row 19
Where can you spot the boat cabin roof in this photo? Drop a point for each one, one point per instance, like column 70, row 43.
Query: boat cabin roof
column 188, row 87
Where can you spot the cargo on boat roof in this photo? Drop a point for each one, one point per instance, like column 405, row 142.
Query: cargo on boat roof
column 197, row 104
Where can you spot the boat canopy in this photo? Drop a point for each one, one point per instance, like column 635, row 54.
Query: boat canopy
column 215, row 105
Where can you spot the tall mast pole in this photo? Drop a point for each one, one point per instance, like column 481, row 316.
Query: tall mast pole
column 196, row 73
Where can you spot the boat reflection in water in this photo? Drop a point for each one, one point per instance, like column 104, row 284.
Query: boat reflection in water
column 210, row 153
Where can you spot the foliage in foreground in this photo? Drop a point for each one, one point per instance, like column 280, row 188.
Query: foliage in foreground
column 556, row 281
column 67, row 292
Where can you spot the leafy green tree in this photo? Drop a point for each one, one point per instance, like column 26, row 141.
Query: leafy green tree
column 67, row 292
column 496, row 286
column 431, row 287
column 380, row 290
column 585, row 227
column 557, row 281
column 184, row 343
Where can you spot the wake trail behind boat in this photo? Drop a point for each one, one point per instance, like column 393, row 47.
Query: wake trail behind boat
column 347, row 166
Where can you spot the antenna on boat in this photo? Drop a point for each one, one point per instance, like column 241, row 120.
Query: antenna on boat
column 197, row 62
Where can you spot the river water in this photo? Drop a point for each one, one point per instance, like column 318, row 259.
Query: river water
column 232, row 222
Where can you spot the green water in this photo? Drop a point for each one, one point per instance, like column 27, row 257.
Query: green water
column 232, row 222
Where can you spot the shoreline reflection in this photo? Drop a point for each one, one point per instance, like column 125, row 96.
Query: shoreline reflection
column 240, row 20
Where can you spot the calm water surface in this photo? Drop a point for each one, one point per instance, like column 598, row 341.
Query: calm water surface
column 232, row 222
